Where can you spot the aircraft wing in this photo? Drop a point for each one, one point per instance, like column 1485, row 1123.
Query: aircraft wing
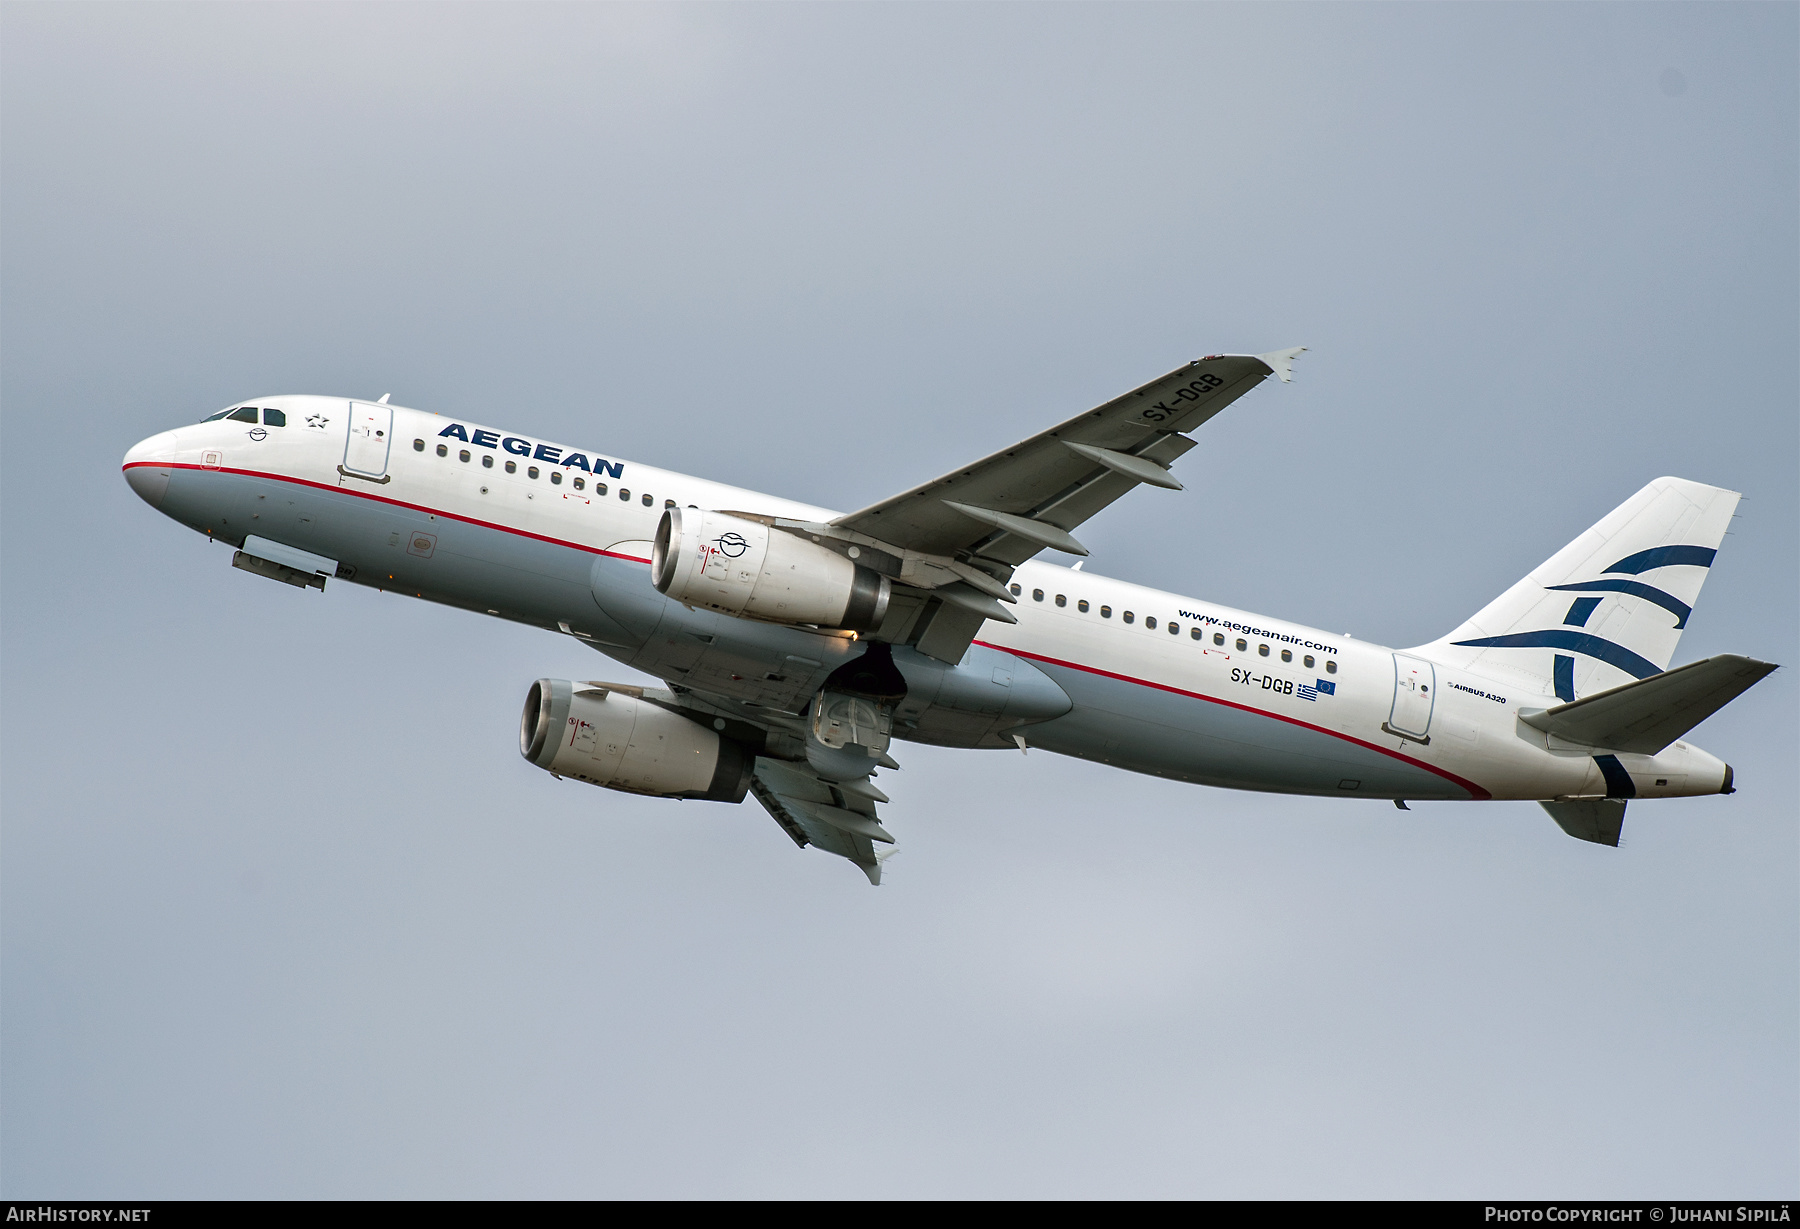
column 829, row 815
column 957, row 538
column 1009, row 506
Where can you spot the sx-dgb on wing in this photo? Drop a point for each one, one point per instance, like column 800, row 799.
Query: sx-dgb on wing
column 796, row 644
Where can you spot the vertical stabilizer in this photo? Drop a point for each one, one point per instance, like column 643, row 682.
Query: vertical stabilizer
column 1610, row 606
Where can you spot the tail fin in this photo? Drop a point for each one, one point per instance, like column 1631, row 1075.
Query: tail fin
column 1608, row 607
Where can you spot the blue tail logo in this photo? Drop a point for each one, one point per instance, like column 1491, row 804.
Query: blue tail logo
column 1569, row 637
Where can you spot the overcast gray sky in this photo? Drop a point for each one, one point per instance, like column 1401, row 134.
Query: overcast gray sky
column 285, row 913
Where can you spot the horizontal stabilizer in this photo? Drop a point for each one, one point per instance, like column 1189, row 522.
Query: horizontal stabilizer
column 1647, row 715
column 1599, row 820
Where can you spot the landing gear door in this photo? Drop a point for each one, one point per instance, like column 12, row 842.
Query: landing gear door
column 1415, row 694
column 371, row 435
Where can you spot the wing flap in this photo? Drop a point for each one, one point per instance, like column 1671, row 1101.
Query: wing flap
column 812, row 812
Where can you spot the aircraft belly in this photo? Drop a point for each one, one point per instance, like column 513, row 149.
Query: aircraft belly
column 1166, row 734
column 763, row 664
column 387, row 546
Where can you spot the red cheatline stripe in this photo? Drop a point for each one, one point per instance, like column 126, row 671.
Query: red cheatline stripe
column 1474, row 789
column 398, row 503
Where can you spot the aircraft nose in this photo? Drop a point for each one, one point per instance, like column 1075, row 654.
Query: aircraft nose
column 147, row 466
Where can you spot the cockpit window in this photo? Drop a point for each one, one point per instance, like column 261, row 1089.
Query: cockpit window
column 215, row 417
column 273, row 418
column 246, row 414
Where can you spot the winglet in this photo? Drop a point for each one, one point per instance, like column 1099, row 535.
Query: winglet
column 1281, row 362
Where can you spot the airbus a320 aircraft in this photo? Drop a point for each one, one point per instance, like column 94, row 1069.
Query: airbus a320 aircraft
column 796, row 643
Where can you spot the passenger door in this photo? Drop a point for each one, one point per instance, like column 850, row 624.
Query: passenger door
column 1415, row 693
column 371, row 433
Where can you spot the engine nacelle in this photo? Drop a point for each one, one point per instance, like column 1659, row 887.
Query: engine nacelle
column 622, row 742
column 743, row 567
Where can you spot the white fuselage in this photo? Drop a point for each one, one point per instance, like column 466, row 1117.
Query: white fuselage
column 1159, row 682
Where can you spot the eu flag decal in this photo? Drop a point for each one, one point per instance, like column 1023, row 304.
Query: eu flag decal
column 1326, row 689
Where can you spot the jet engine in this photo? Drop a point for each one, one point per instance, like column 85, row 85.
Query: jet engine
column 739, row 566
column 606, row 736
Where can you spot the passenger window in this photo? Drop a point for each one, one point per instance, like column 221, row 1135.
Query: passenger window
column 1061, row 600
column 1150, row 622
column 1331, row 667
column 1196, row 633
column 273, row 418
column 1262, row 650
column 1287, row 655
column 580, row 483
column 624, row 495
column 418, row 445
column 1015, row 590
column 531, row 471
column 1037, row 595
column 668, row 503
column 648, row 501
column 443, row 450
column 487, row 460
column 247, row 414
column 1218, row 637
column 512, row 467
column 599, row 488
column 1307, row 661
column 1129, row 617
column 1241, row 646
column 1174, row 629
column 556, row 477
column 463, row 456
column 1082, row 606
column 1106, row 612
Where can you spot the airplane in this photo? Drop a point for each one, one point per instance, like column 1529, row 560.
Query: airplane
column 797, row 644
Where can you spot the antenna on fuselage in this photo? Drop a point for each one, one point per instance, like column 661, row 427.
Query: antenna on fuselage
column 384, row 398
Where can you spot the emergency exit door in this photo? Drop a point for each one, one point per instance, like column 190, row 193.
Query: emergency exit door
column 1415, row 693
column 371, row 435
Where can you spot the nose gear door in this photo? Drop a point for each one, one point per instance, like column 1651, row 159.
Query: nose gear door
column 371, row 434
column 1415, row 688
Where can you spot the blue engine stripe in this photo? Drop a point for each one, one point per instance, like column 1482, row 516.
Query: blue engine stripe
column 1585, row 643
column 1618, row 781
column 1665, row 557
column 1636, row 588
